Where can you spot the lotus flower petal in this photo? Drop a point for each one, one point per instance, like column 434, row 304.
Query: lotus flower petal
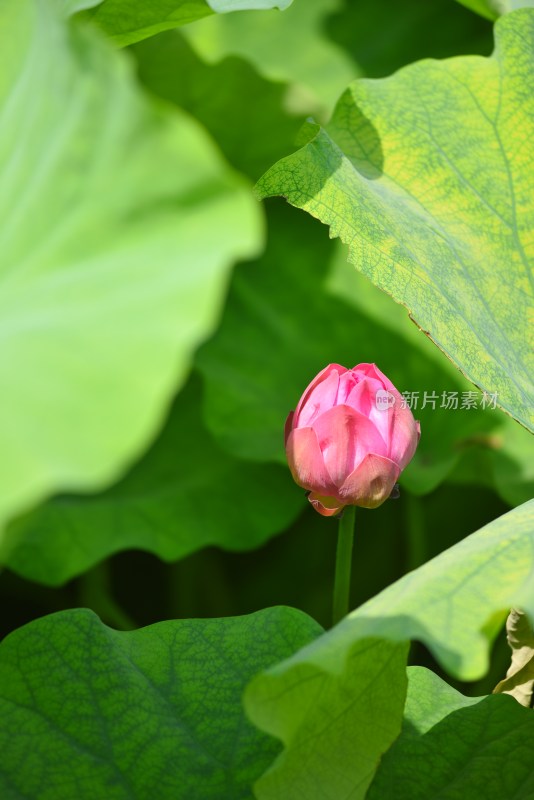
column 371, row 482
column 288, row 426
column 405, row 435
column 363, row 399
column 345, row 437
column 320, row 394
column 347, row 382
column 306, row 461
column 372, row 371
column 326, row 506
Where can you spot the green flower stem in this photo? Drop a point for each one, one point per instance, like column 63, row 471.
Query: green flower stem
column 343, row 564
column 415, row 526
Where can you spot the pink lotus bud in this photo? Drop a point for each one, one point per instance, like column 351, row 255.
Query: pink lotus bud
column 349, row 438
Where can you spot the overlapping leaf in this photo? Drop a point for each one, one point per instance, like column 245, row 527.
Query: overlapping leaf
column 72, row 6
column 183, row 495
column 337, row 704
column 491, row 9
column 453, row 746
column 426, row 176
column 291, row 47
column 384, row 35
column 218, row 95
column 128, row 21
column 519, row 680
column 108, row 277
column 88, row 712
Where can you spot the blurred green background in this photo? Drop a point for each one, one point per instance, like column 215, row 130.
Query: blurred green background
column 207, row 522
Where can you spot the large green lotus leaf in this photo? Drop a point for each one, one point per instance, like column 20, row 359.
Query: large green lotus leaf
column 290, row 47
column 455, row 747
column 284, row 308
column 184, row 494
column 414, row 30
column 491, row 9
column 88, row 712
column 427, row 177
column 218, row 95
column 110, row 208
column 337, row 704
column 128, row 21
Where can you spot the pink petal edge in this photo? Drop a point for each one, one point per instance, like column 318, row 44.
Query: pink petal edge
column 372, row 371
column 321, row 376
column 405, row 435
column 326, row 506
column 288, row 426
column 306, row 461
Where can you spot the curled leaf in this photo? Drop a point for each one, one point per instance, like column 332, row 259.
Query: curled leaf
column 519, row 681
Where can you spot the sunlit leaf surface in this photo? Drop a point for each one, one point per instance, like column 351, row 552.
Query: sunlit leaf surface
column 128, row 21
column 351, row 682
column 105, row 199
column 290, row 47
column 427, row 177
